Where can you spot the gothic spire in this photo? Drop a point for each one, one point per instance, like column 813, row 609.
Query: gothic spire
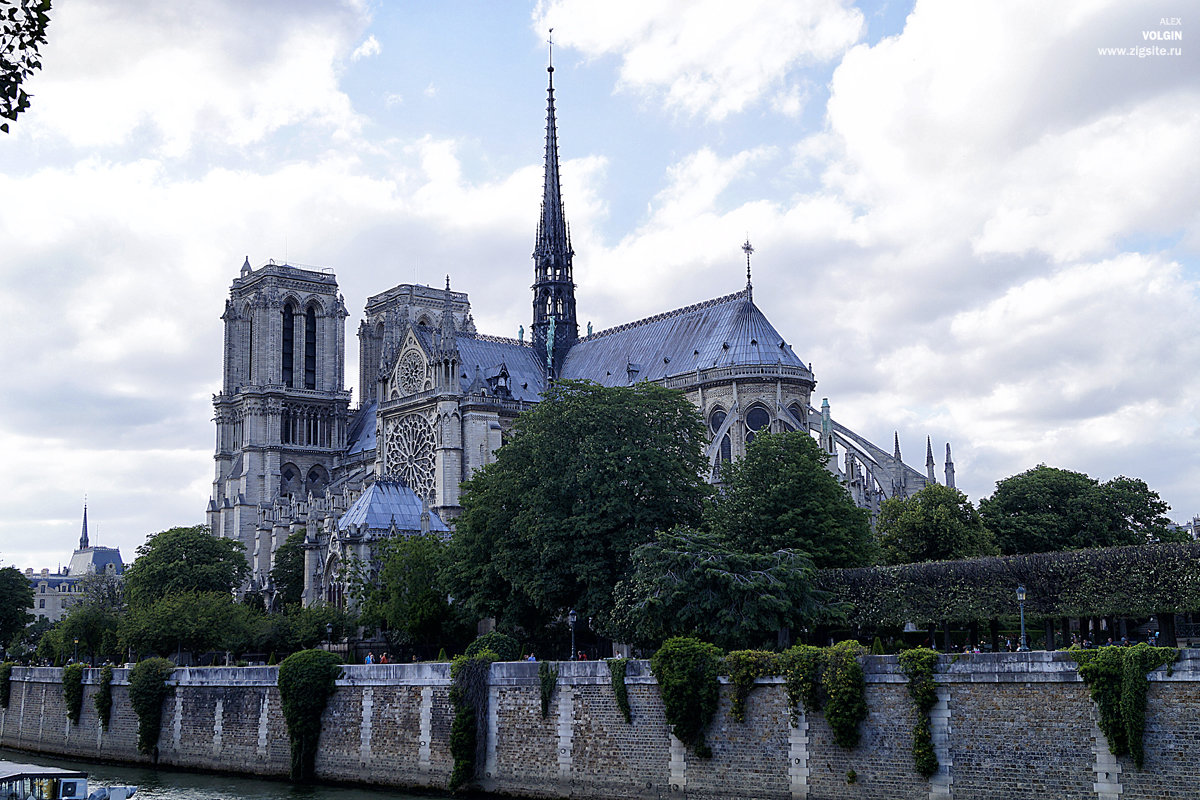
column 553, row 282
column 949, row 467
column 929, row 463
column 83, row 538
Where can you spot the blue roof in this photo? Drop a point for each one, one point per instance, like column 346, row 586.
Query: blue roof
column 724, row 332
column 362, row 430
column 488, row 353
column 95, row 559
column 385, row 502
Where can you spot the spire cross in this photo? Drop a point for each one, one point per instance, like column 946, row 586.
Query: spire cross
column 748, row 249
column 550, row 41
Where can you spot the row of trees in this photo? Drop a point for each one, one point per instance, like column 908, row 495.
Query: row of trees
column 596, row 505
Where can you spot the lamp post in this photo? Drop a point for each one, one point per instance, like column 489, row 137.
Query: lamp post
column 76, row 659
column 328, row 636
column 1021, row 602
column 571, row 618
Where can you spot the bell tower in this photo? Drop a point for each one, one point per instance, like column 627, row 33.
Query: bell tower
column 554, row 327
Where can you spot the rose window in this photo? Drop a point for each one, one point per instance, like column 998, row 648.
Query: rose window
column 409, row 443
column 411, row 372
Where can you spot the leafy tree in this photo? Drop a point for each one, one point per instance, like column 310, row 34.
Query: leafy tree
column 94, row 627
column 184, row 560
column 938, row 523
column 16, row 597
column 22, row 32
column 1046, row 509
column 688, row 583
column 288, row 572
column 781, row 496
column 23, row 644
column 408, row 596
column 193, row 622
column 304, row 628
column 588, row 475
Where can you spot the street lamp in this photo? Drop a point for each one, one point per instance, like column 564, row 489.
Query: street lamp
column 571, row 618
column 1021, row 602
column 76, row 659
column 329, row 636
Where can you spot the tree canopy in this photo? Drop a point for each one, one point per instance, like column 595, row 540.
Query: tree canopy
column 184, row 560
column 781, row 496
column 938, row 523
column 409, row 597
column 1046, row 509
column 16, row 597
column 22, row 33
column 288, row 571
column 689, row 583
column 586, row 476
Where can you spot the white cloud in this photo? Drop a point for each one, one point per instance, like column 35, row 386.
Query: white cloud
column 369, row 47
column 708, row 57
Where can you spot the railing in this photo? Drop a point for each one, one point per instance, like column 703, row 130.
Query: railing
column 725, row 373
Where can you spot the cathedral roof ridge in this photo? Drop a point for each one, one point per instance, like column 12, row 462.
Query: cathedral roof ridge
column 716, row 301
column 487, row 337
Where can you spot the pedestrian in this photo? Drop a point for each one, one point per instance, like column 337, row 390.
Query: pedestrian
column 370, row 659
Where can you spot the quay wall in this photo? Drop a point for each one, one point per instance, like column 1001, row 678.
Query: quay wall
column 1008, row 725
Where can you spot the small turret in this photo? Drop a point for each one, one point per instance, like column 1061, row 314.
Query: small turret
column 930, row 467
column 949, row 468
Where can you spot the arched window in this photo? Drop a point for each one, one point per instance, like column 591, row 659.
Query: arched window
column 716, row 419
column 318, row 479
column 757, row 419
column 289, row 342
column 290, row 482
column 310, row 348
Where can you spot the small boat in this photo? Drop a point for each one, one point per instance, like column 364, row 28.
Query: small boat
column 33, row 782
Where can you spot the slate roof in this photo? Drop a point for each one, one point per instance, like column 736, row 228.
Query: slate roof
column 384, row 502
column 526, row 376
column 727, row 331
column 95, row 559
column 362, row 430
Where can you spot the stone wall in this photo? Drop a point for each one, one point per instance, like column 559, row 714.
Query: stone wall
column 1006, row 726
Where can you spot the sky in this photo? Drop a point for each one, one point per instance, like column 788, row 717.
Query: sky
column 977, row 221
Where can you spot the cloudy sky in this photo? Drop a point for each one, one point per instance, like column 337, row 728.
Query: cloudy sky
column 975, row 224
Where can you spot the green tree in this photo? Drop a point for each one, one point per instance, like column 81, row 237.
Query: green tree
column 22, row 32
column 688, row 583
column 587, row 475
column 1045, row 509
column 937, row 523
column 95, row 629
column 781, row 496
column 16, row 597
column 288, row 572
column 409, row 596
column 184, row 560
column 304, row 628
column 191, row 622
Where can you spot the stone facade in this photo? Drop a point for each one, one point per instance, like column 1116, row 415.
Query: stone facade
column 1008, row 726
column 436, row 397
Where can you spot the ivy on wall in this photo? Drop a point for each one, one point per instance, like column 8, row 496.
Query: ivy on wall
column 845, row 692
column 687, row 670
column 72, row 689
column 548, row 678
column 147, row 690
column 5, row 683
column 919, row 664
column 468, row 695
column 617, row 669
column 744, row 668
column 1116, row 678
column 307, row 680
column 103, row 698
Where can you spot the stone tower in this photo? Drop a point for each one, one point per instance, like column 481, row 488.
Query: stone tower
column 553, row 284
column 281, row 414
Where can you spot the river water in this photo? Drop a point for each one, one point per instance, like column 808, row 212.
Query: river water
column 164, row 784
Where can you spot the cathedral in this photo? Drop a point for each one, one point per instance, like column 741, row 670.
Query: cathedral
column 436, row 398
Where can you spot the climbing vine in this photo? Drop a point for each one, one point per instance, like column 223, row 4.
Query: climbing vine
column 548, row 677
column 801, row 668
column 919, row 664
column 306, row 681
column 5, row 683
column 147, row 690
column 687, row 670
column 845, row 692
column 103, row 698
column 1116, row 678
column 72, row 689
column 617, row 668
column 744, row 668
column 468, row 694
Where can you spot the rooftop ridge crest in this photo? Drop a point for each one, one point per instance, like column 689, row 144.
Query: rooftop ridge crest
column 716, row 301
